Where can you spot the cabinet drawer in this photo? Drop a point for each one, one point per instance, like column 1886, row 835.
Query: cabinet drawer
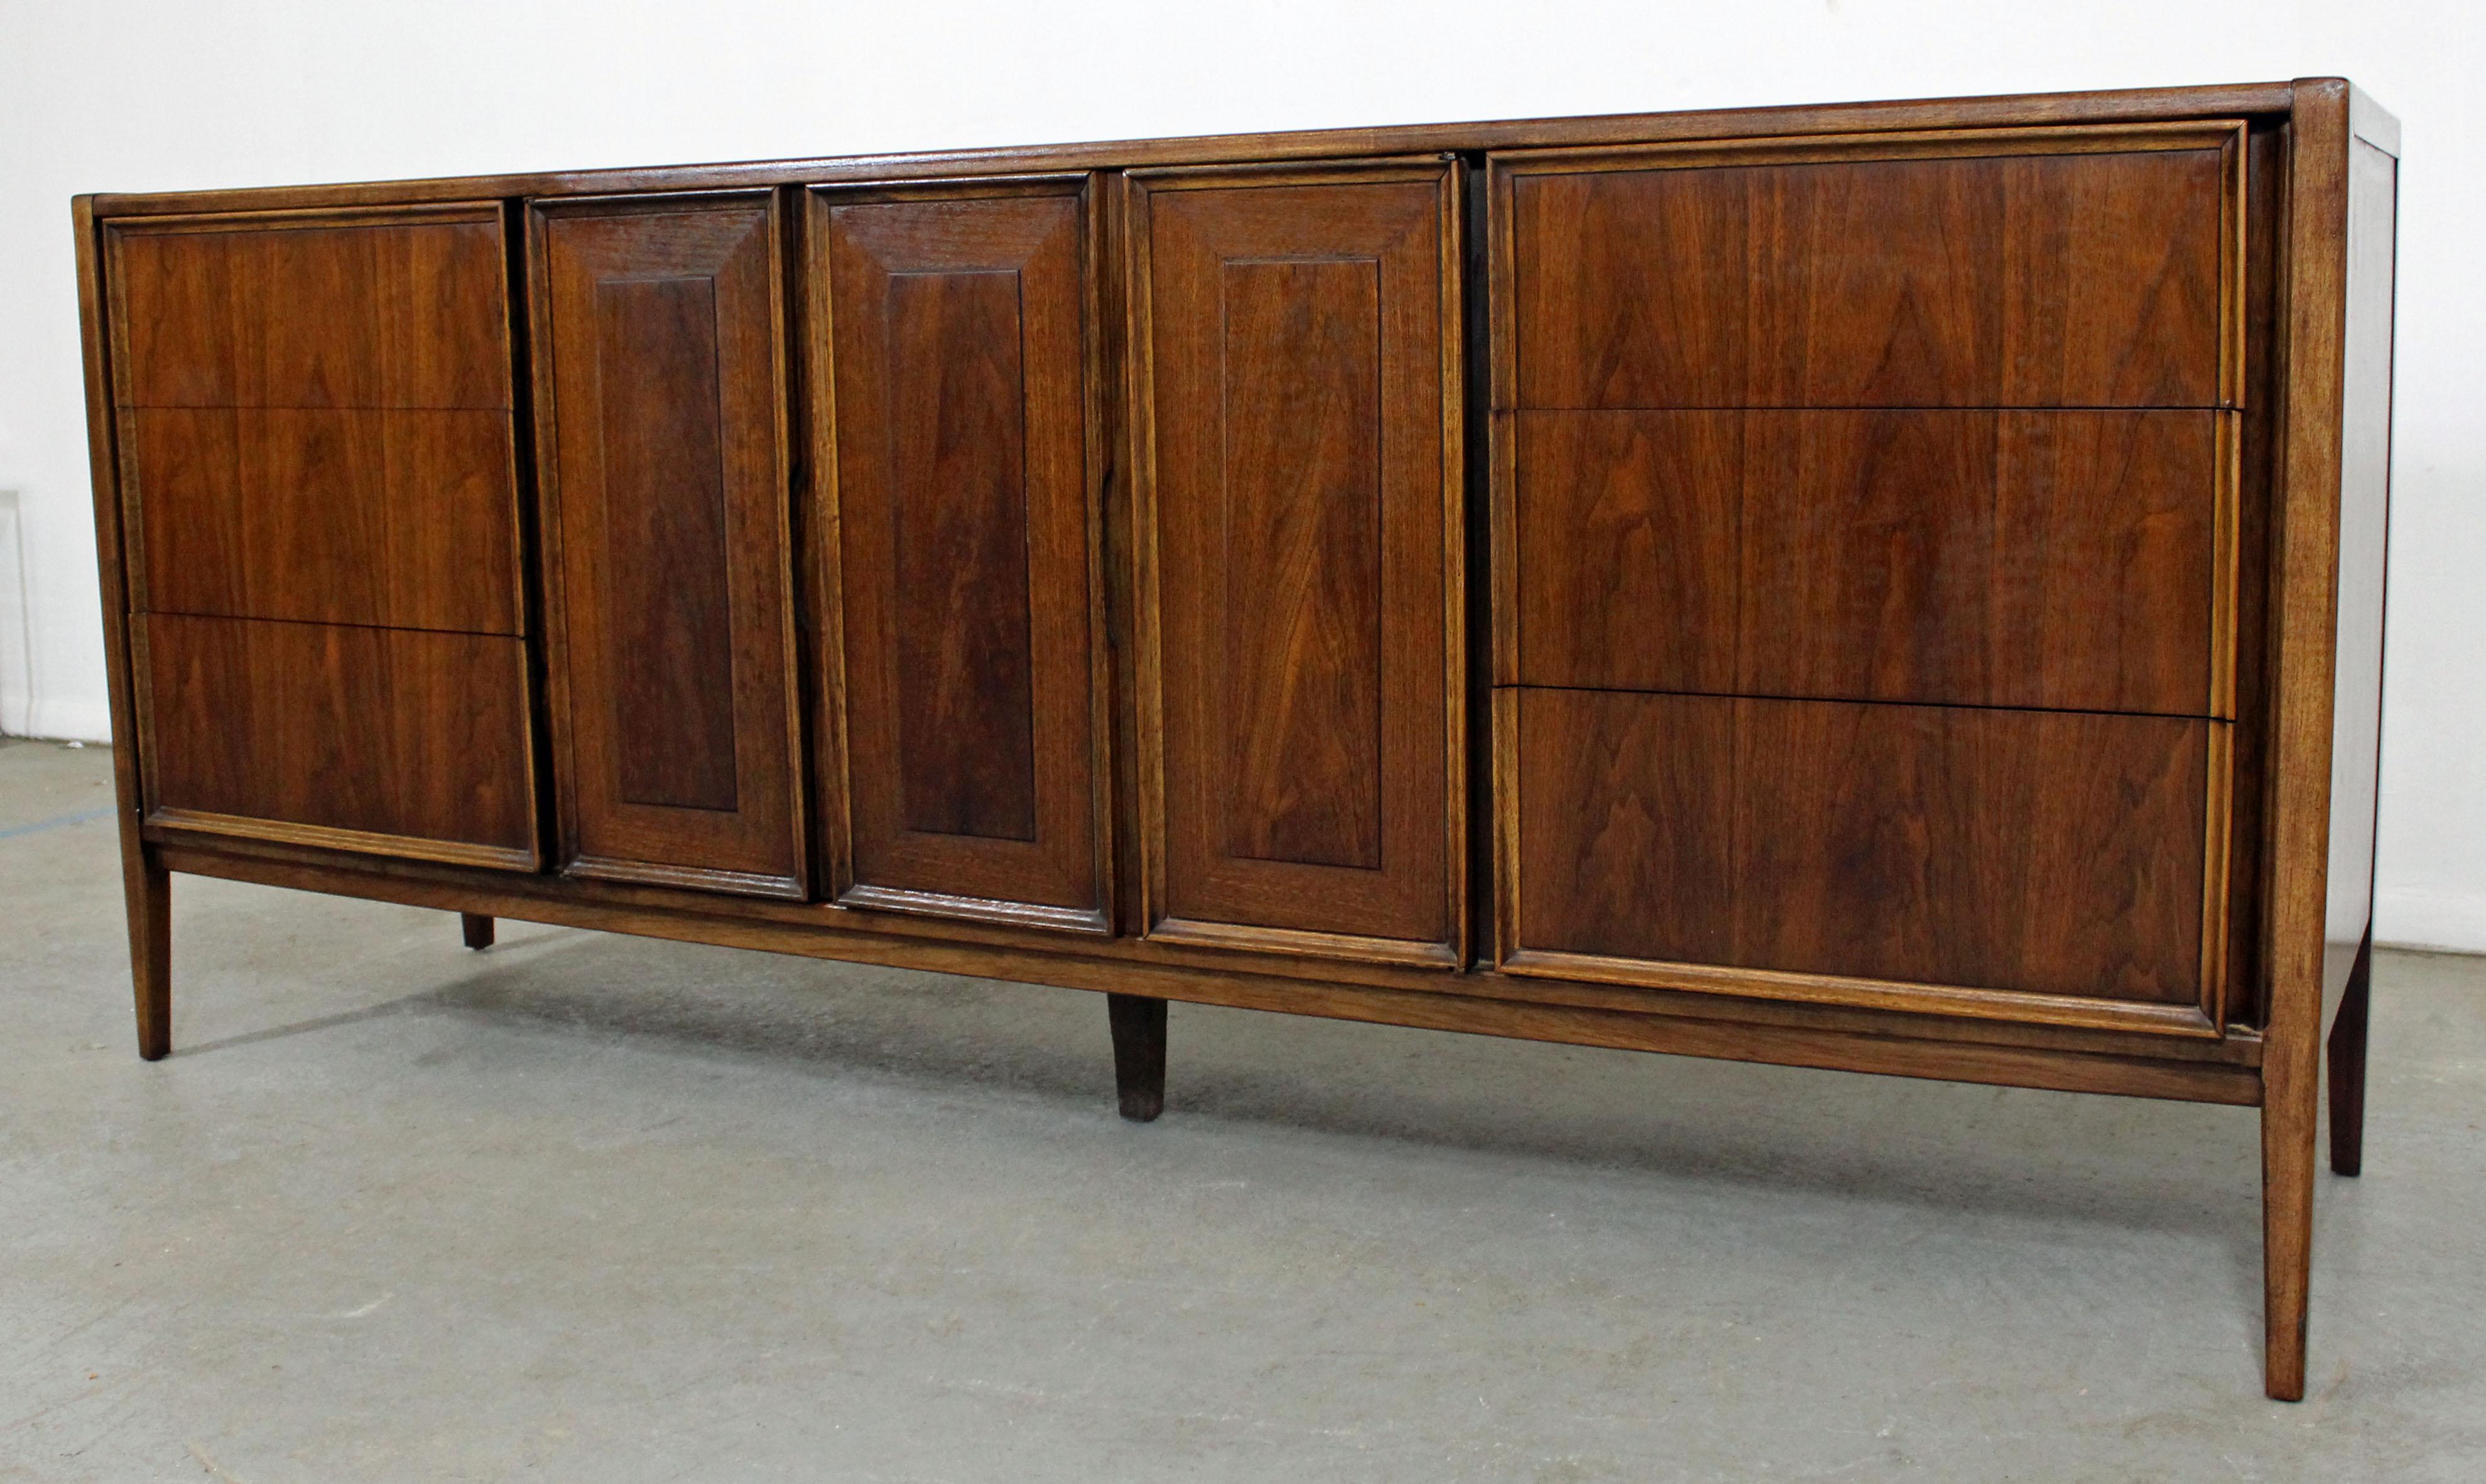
column 381, row 740
column 2061, row 558
column 405, row 518
column 400, row 307
column 2044, row 268
column 2049, row 865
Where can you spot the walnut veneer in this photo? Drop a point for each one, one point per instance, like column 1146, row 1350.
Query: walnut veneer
column 1888, row 587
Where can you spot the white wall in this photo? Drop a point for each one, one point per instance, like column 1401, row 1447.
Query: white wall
column 117, row 95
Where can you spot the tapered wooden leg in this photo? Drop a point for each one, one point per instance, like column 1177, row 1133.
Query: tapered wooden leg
column 2287, row 1118
column 2348, row 1066
column 1138, row 1054
column 479, row 930
column 148, row 890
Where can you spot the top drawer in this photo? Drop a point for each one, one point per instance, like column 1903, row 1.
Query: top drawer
column 406, row 307
column 2058, row 267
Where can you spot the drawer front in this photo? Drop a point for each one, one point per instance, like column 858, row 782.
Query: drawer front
column 2051, row 268
column 668, row 499
column 2047, row 866
column 400, row 308
column 1296, row 490
column 378, row 740
column 405, row 518
column 2075, row 560
column 956, row 421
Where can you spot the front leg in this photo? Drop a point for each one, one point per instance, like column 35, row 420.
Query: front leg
column 1139, row 1025
column 147, row 888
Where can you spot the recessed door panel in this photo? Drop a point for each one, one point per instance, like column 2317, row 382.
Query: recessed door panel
column 1297, row 488
column 956, row 418
column 667, row 503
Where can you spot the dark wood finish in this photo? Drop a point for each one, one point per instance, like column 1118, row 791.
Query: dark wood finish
column 2096, row 274
column 1827, row 273
column 2063, row 560
column 664, row 465
column 960, row 449
column 1139, row 1026
column 477, row 929
column 398, row 308
column 2347, row 1048
column 2056, row 855
column 394, row 517
column 1297, row 478
column 392, row 740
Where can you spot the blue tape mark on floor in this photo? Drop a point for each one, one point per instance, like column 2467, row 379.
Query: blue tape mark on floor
column 60, row 823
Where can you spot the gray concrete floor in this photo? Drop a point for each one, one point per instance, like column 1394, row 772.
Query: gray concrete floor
column 596, row 1208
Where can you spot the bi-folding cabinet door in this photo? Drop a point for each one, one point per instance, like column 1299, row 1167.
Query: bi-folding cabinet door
column 661, row 448
column 957, row 418
column 1294, row 406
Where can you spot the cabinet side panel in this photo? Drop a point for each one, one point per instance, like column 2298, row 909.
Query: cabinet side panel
column 2365, row 513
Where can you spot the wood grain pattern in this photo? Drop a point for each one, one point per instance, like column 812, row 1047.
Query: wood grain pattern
column 2055, row 559
column 2048, row 853
column 415, row 743
column 659, row 324
column 955, row 417
column 668, row 609
column 1300, row 777
column 399, row 308
column 1297, row 480
column 1829, row 273
column 399, row 518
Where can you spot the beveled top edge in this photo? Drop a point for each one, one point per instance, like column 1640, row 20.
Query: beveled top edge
column 2115, row 106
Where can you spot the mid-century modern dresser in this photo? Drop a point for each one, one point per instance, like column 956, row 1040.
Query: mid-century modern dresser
column 1890, row 587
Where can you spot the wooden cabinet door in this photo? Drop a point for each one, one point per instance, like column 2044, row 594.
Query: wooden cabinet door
column 659, row 377
column 955, row 412
column 1296, row 482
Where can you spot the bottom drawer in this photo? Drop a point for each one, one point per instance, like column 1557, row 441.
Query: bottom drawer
column 391, row 741
column 2056, row 856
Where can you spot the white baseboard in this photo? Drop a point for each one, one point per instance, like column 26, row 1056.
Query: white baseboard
column 63, row 718
column 2414, row 917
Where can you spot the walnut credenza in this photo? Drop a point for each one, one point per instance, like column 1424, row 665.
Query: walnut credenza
column 1888, row 587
